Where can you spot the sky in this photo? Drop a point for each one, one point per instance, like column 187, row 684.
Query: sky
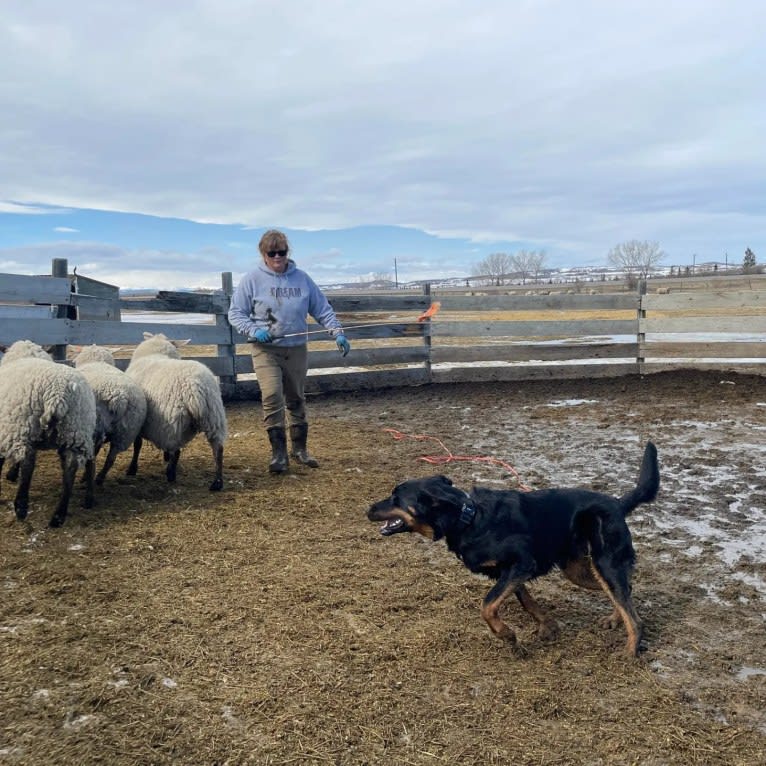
column 151, row 143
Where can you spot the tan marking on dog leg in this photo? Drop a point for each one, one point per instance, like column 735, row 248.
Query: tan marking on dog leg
column 490, row 613
column 627, row 612
column 547, row 627
column 579, row 572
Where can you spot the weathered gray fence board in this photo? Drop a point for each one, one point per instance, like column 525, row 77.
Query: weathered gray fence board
column 10, row 312
column 130, row 333
column 369, row 303
column 33, row 289
column 219, row 365
column 369, row 357
column 711, row 350
column 531, row 372
column 701, row 301
column 606, row 301
column 91, row 307
column 740, row 368
column 184, row 302
column 356, row 381
column 371, row 332
column 535, row 329
column 43, row 331
column 715, row 325
column 329, row 383
column 518, row 352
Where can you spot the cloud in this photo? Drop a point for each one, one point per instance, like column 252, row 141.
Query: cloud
column 563, row 126
column 21, row 208
column 125, row 268
column 65, row 229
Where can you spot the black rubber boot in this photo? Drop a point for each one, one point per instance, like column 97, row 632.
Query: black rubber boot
column 298, row 436
column 279, row 459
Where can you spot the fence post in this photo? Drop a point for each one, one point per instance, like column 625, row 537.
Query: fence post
column 641, row 337
column 427, row 336
column 222, row 320
column 60, row 268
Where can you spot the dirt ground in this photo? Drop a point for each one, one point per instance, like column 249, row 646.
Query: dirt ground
column 271, row 623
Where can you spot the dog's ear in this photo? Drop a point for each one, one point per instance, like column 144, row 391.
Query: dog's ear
column 444, row 478
column 439, row 490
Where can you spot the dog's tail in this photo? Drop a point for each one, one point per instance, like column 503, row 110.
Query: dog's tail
column 648, row 482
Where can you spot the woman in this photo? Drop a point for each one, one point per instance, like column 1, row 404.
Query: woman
column 270, row 306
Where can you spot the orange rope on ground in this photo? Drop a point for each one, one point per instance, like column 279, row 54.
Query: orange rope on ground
column 450, row 458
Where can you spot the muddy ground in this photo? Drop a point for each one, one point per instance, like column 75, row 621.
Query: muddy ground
column 272, row 624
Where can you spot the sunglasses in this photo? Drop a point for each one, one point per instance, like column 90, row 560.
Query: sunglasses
column 276, row 253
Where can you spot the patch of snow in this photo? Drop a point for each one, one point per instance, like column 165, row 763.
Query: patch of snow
column 571, row 402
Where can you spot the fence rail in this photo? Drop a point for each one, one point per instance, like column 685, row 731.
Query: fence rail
column 472, row 338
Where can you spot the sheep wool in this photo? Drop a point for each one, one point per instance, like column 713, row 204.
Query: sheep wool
column 183, row 399
column 44, row 405
column 120, row 403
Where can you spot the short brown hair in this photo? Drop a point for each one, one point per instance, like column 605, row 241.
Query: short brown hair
column 273, row 239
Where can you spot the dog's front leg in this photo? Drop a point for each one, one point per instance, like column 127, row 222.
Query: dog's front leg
column 506, row 585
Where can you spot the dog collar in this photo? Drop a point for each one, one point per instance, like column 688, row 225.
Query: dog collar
column 467, row 511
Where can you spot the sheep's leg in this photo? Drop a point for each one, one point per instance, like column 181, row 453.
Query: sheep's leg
column 68, row 475
column 26, row 469
column 133, row 467
column 170, row 471
column 97, row 449
column 2, row 463
column 108, row 463
column 218, row 457
column 13, row 473
column 90, row 472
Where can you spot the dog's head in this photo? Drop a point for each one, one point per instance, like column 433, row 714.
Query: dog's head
column 424, row 506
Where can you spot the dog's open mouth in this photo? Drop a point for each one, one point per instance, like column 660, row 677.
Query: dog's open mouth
column 392, row 526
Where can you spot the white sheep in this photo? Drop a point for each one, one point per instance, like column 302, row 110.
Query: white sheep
column 45, row 405
column 183, row 399
column 120, row 403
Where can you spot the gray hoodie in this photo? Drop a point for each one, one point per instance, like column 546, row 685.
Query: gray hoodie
column 280, row 303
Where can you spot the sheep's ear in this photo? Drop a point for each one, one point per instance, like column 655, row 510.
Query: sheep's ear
column 179, row 343
column 75, row 349
column 113, row 349
column 148, row 335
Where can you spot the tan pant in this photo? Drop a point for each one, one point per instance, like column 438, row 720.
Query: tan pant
column 281, row 373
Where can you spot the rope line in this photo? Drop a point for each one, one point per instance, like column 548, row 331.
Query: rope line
column 448, row 457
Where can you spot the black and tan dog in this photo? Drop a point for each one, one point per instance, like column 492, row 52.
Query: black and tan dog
column 514, row 537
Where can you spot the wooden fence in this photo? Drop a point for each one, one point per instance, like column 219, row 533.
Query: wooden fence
column 472, row 338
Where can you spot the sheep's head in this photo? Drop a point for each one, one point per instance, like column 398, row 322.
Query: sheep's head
column 158, row 344
column 93, row 353
column 25, row 349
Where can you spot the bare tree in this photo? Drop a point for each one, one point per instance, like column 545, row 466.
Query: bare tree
column 528, row 262
column 496, row 266
column 478, row 272
column 538, row 263
column 636, row 257
column 380, row 278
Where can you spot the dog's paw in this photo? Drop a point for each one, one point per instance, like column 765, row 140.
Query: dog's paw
column 548, row 631
column 611, row 622
column 519, row 651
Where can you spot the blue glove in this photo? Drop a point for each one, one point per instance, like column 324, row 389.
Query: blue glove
column 343, row 345
column 261, row 336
